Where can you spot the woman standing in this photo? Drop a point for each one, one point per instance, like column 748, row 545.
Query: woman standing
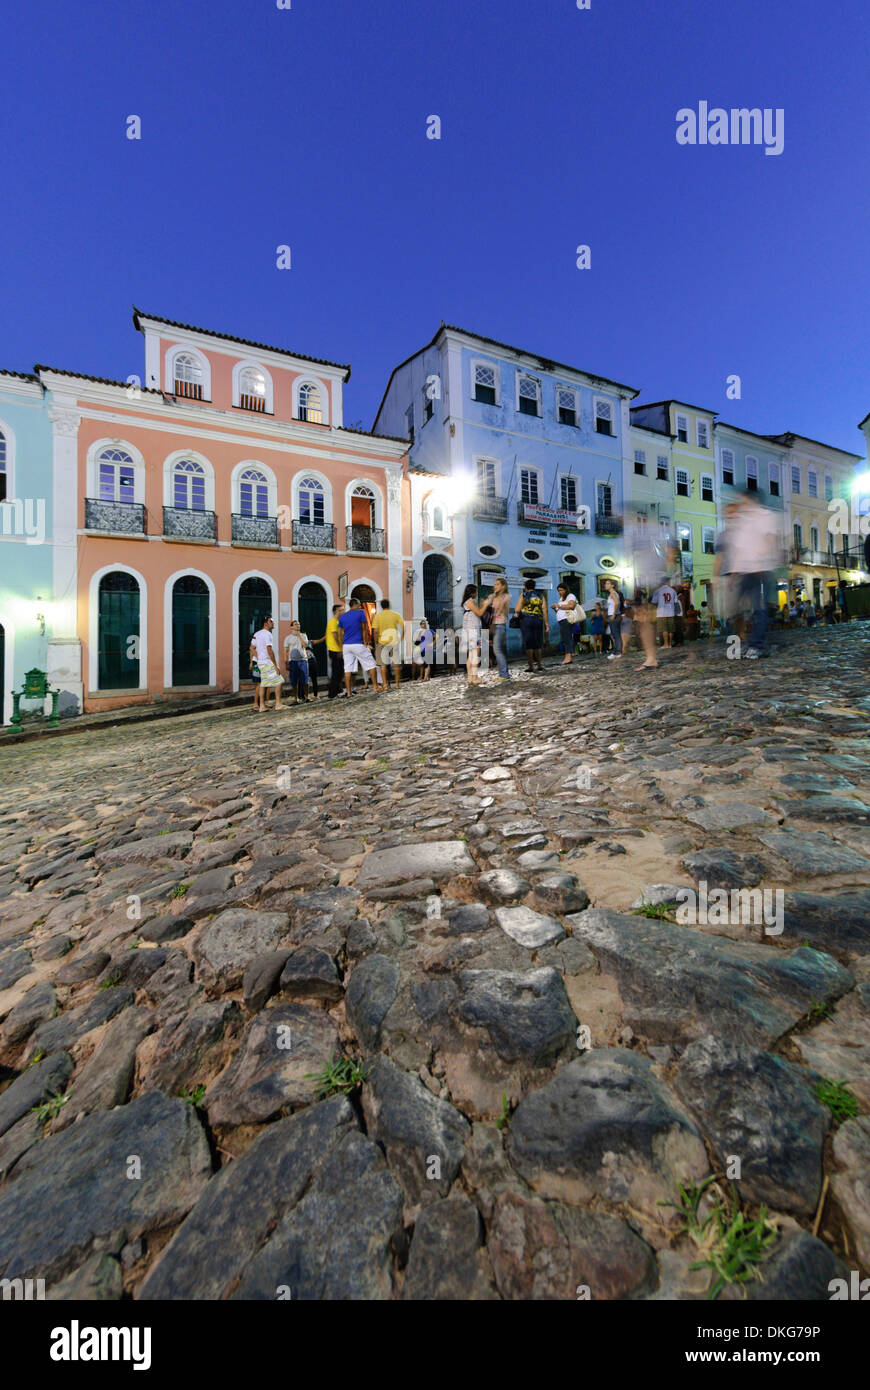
column 501, row 602
column 615, row 605
column 530, row 607
column 568, row 612
column 471, row 616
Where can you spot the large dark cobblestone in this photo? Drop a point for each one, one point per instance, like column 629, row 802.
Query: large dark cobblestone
column 441, row 884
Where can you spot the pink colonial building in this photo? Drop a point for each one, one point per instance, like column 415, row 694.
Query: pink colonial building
column 224, row 488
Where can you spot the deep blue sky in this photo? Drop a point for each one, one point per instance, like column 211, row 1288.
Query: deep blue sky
column 307, row 126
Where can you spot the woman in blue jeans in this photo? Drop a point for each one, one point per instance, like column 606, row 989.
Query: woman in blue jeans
column 530, row 607
column 500, row 604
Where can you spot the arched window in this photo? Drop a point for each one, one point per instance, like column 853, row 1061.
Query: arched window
column 253, row 493
column 115, row 475
column 311, row 502
column 362, row 506
column 188, row 486
column 187, row 371
column 3, row 492
column 118, row 632
column 252, row 389
column 310, row 407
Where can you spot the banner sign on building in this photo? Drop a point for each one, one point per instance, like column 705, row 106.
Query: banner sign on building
column 555, row 516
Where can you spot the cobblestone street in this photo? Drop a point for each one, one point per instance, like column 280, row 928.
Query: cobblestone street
column 472, row 896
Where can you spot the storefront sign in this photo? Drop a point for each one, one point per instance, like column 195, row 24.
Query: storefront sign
column 554, row 516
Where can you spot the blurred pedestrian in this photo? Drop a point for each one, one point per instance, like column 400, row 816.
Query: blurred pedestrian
column 530, row 609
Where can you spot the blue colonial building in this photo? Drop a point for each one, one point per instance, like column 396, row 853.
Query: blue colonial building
column 517, row 468
column 38, row 547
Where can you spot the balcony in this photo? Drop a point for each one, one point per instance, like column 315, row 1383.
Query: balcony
column 124, row 518
column 181, row 524
column 607, row 525
column 486, row 508
column 259, row 531
column 804, row 555
column 308, row 535
column 366, row 538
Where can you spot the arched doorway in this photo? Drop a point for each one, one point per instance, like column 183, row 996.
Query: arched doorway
column 190, row 631
column 255, row 604
column 366, row 595
column 118, row 632
column 312, row 619
column 438, row 592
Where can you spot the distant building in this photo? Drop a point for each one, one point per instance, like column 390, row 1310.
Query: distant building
column 822, row 551
column 516, row 468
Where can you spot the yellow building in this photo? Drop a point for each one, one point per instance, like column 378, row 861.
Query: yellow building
column 693, row 488
column 818, row 482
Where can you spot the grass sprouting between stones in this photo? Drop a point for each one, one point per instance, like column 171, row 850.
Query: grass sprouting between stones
column 338, row 1077
column 731, row 1245
column 837, row 1097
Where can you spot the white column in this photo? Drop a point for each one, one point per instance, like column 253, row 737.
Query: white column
column 396, row 580
column 64, row 662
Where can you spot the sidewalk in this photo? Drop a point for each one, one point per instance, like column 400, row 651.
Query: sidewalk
column 134, row 714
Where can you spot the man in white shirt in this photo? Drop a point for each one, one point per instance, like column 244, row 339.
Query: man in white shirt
column 270, row 678
column 665, row 600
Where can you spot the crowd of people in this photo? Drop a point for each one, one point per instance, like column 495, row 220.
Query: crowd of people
column 747, row 555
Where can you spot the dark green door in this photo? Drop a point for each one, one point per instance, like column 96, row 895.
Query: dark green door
column 118, row 632
column 312, row 619
column 255, row 604
column 190, row 631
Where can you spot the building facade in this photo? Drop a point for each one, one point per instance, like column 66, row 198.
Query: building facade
column 692, row 487
column 516, row 469
column 822, row 550
column 755, row 463
column 224, row 488
column 37, row 546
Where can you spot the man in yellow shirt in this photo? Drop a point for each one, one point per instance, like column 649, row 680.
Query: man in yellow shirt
column 333, row 647
column 388, row 631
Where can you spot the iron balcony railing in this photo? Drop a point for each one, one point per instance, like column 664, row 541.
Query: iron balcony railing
column 255, row 530
column 188, row 524
column 366, row 538
column 309, row 535
column 489, row 508
column 128, row 518
column 607, row 525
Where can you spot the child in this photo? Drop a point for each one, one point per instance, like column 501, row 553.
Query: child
column 596, row 627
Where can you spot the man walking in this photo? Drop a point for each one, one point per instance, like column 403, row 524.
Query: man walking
column 388, row 631
column 665, row 600
column 354, row 651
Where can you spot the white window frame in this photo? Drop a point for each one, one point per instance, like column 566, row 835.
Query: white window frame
column 496, row 464
column 271, row 483
column 682, row 473
column 684, row 529
column 708, row 479
column 812, row 483
column 773, row 476
column 796, row 469
column 298, row 480
column 829, row 487
column 192, row 456
column 246, row 364
column 662, row 460
column 538, row 475
column 640, row 458
column 603, row 400
column 747, row 460
column 708, row 534
column 92, row 467
column 490, row 366
column 323, row 388
column 9, row 435
column 604, row 482
column 436, row 501
column 179, row 350
column 536, row 382
column 571, row 390
column 411, row 423
column 684, row 427
column 726, row 453
column 702, row 426
column 572, row 478
column 373, row 486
